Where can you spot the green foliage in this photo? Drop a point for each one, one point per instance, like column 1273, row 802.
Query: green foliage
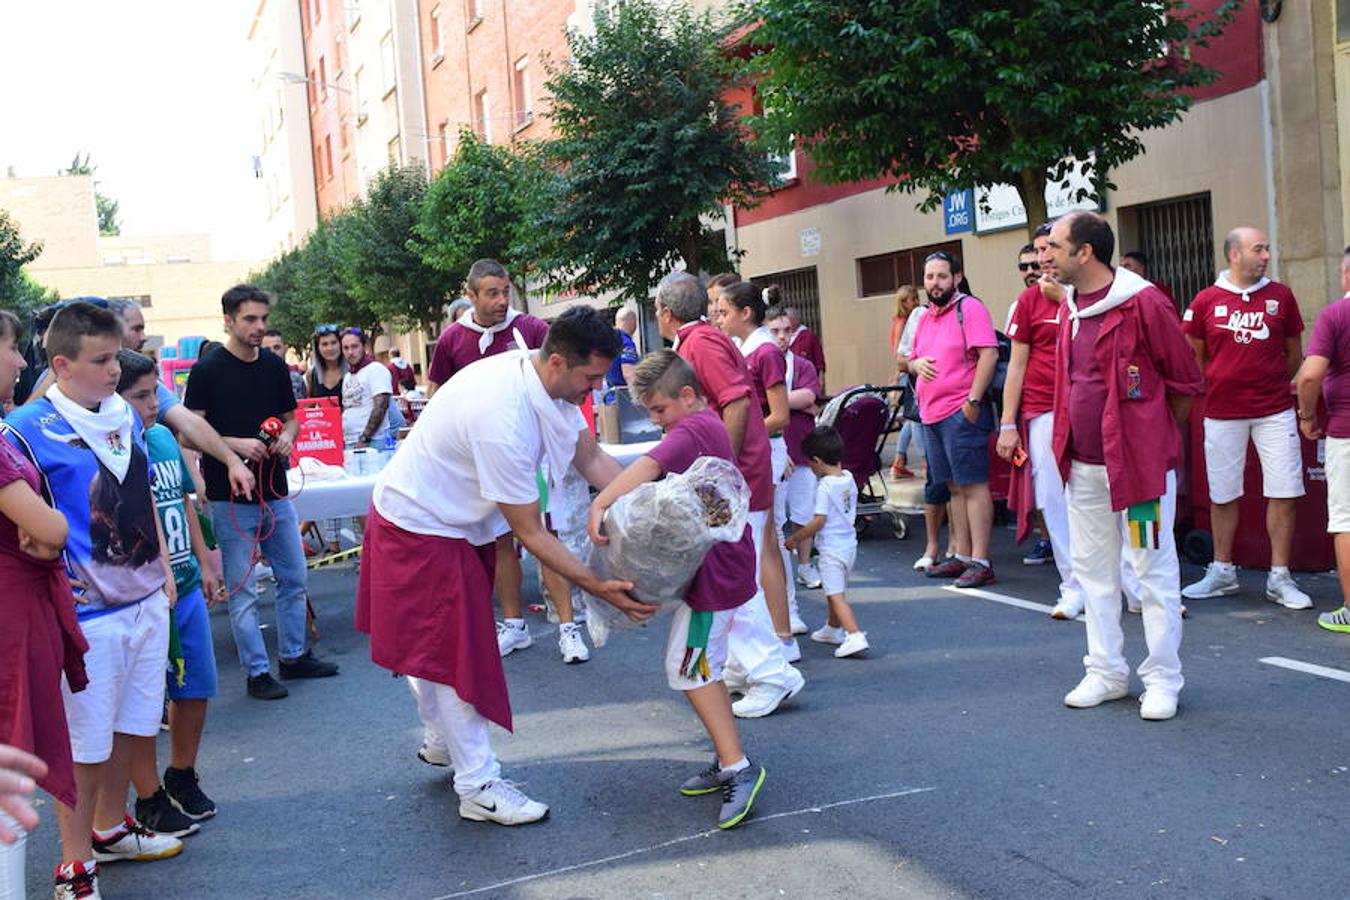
column 969, row 93
column 480, row 206
column 19, row 293
column 108, row 226
column 319, row 284
column 377, row 259
column 290, row 315
column 647, row 148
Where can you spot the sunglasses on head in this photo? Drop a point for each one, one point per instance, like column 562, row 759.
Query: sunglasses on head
column 939, row 254
column 1029, row 266
column 325, row 329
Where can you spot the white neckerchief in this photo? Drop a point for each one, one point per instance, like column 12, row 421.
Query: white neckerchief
column 679, row 332
column 106, row 431
column 485, row 335
column 795, row 334
column 789, row 357
column 1125, row 285
column 756, row 339
column 1223, row 282
column 557, row 432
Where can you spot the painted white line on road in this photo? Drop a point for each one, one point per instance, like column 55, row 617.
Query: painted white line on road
column 1307, row 668
column 618, row 857
column 1004, row 599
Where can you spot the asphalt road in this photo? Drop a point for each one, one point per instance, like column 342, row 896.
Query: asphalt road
column 943, row 765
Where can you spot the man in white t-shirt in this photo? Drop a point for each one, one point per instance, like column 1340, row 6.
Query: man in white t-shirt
column 466, row 475
column 366, row 389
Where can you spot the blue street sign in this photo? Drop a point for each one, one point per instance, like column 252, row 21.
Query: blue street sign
column 958, row 211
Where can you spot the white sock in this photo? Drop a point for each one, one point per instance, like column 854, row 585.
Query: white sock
column 735, row 767
column 1225, row 567
column 1279, row 570
column 110, row 833
column 518, row 624
column 565, row 626
column 983, row 562
column 965, row 559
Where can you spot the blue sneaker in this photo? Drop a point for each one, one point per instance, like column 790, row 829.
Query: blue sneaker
column 1040, row 555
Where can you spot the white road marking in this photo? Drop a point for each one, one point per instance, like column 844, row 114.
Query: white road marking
column 1307, row 668
column 1005, row 600
column 590, row 864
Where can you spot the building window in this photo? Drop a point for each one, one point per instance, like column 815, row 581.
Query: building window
column 883, row 274
column 524, row 102
column 318, row 164
column 353, row 12
column 395, row 151
column 323, row 80
column 482, row 113
column 309, row 89
column 317, row 6
column 328, row 155
column 473, row 11
column 443, row 132
column 437, row 36
column 359, row 95
column 388, row 64
column 785, row 171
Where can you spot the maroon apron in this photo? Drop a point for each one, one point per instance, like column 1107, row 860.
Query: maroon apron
column 426, row 602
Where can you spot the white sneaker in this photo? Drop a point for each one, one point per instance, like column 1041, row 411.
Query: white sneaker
column 136, row 842
column 762, row 699
column 797, row 625
column 433, row 755
column 1216, row 583
column 1094, row 691
column 923, row 562
column 509, row 638
column 828, row 634
column 791, row 651
column 853, row 644
column 808, row 576
column 1067, row 609
column 571, row 645
column 1157, row 706
column 262, row 572
column 501, row 802
column 1281, row 589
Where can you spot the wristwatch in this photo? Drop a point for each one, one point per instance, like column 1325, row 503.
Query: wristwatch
column 973, row 401
column 1308, row 418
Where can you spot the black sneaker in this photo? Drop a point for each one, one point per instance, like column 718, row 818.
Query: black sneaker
column 160, row 815
column 182, row 787
column 308, row 666
column 265, row 687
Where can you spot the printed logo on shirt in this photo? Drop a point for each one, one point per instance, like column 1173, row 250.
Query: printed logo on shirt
column 1272, row 307
column 1220, row 311
column 1248, row 327
column 1190, row 315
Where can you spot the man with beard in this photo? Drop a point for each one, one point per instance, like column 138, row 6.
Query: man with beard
column 955, row 353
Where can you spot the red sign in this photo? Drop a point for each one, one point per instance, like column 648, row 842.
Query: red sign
column 320, row 435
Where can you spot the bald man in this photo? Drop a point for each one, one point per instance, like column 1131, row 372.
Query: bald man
column 1245, row 332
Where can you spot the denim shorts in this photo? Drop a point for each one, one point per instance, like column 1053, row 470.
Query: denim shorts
column 958, row 451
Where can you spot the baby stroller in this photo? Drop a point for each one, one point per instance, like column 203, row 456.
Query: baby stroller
column 865, row 418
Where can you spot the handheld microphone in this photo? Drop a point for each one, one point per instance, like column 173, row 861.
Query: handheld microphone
column 270, row 430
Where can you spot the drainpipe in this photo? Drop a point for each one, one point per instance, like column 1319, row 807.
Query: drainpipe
column 1268, row 149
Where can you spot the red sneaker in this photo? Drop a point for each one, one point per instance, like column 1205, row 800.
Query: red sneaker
column 951, row 567
column 976, row 575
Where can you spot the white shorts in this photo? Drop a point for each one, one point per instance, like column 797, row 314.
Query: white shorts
column 677, row 644
column 128, row 654
column 1338, row 484
column 1277, row 444
column 834, row 569
column 778, row 458
column 799, row 492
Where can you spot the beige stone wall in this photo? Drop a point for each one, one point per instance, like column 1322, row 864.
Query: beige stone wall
column 58, row 211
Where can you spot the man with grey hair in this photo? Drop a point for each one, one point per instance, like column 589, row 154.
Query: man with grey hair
column 756, row 664
column 189, row 427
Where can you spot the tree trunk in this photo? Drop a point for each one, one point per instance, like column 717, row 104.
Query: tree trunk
column 1031, row 187
column 692, row 251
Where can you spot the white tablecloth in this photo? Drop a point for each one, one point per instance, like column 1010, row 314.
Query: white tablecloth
column 350, row 496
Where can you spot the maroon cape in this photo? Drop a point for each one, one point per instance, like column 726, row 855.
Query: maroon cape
column 39, row 640
column 426, row 602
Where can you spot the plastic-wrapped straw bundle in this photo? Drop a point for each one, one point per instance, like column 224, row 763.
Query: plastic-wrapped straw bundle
column 659, row 534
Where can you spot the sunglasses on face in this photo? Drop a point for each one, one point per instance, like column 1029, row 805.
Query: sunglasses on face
column 1029, row 267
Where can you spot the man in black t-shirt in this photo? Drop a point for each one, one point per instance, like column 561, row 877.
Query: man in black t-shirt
column 237, row 388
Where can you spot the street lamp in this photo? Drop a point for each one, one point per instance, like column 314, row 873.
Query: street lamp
column 297, row 78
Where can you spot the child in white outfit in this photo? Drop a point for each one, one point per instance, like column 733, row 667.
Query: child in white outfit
column 836, row 541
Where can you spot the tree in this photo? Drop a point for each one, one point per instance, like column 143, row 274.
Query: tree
column 290, row 314
column 972, row 93
column 378, row 260
column 19, row 293
column 481, row 205
column 107, row 207
column 647, row 147
column 319, row 285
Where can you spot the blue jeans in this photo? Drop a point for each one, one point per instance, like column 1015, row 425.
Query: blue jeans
column 284, row 550
column 957, row 450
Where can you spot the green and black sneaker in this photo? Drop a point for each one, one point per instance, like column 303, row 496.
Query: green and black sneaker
column 738, row 795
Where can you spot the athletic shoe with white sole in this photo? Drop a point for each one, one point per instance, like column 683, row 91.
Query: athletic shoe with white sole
column 501, row 802
column 1094, row 691
column 512, row 637
column 1040, row 555
column 738, row 795
column 706, row 781
column 73, row 881
column 791, row 651
column 796, row 624
column 135, row 842
column 433, row 755
column 1336, row 620
column 1156, row 706
column 158, row 813
column 762, row 699
column 1220, row 580
column 808, row 576
column 185, row 791
column 570, row 644
column 1281, row 589
column 829, row 634
column 923, row 562
column 1067, row 608
column 853, row 644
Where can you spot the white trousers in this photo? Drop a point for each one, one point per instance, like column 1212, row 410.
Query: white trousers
column 1050, row 500
column 781, row 489
column 456, row 726
column 754, row 653
column 12, row 886
column 1099, row 541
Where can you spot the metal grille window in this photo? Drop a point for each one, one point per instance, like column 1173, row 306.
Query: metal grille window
column 883, row 274
column 801, row 290
column 1177, row 236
